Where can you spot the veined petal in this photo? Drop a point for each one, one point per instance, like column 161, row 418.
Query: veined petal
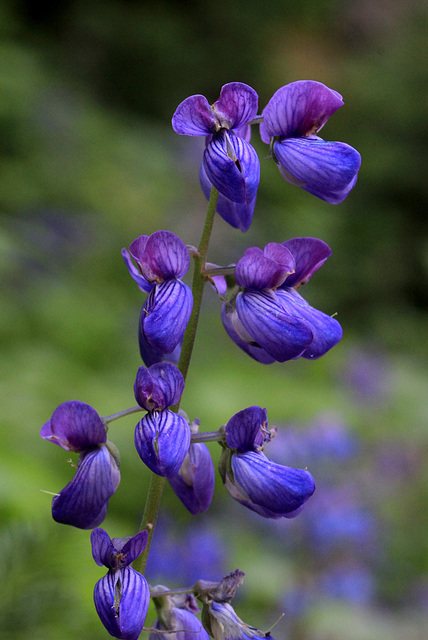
column 326, row 169
column 75, row 426
column 232, row 166
column 134, row 547
column 162, row 439
column 244, row 428
column 158, row 387
column 237, row 105
column 299, row 109
column 279, row 489
column 165, row 256
column 83, row 502
column 103, row 550
column 309, row 254
column 282, row 335
column 194, row 484
column 266, row 269
column 149, row 354
column 252, row 349
column 194, row 117
column 122, row 600
column 326, row 330
column 238, row 214
column 135, row 274
column 167, row 311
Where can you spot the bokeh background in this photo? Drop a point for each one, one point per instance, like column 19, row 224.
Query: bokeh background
column 88, row 161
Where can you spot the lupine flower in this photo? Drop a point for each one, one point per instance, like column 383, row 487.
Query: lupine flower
column 162, row 259
column 194, row 483
column 230, row 163
column 291, row 121
column 269, row 489
column 76, row 426
column 177, row 613
column 269, row 319
column 162, row 437
column 122, row 596
column 222, row 623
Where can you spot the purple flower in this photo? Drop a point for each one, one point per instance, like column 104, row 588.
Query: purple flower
column 222, row 623
column 162, row 259
column 292, row 118
column 194, row 483
column 269, row 489
column 76, row 426
column 122, row 596
column 162, row 437
column 178, row 613
column 268, row 318
column 230, row 163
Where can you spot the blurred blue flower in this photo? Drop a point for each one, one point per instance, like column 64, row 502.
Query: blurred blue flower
column 76, row 426
column 291, row 120
column 122, row 596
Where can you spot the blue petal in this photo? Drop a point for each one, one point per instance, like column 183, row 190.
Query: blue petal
column 149, row 354
column 272, row 488
column 167, row 311
column 75, row 426
column 122, row 601
column 328, row 170
column 232, row 166
column 282, row 335
column 252, row 349
column 327, row 331
column 237, row 105
column 239, row 215
column 158, row 387
column 309, row 254
column 134, row 547
column 194, row 117
column 244, row 427
column 194, row 484
column 135, row 274
column 103, row 550
column 83, row 502
column 162, row 439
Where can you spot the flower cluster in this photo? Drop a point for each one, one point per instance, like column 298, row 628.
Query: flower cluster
column 262, row 312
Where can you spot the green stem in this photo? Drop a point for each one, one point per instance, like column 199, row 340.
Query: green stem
column 208, row 436
column 154, row 494
column 125, row 412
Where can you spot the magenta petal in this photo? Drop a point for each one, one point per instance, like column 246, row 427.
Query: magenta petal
column 299, row 109
column 237, row 105
column 232, row 166
column 325, row 169
column 309, row 255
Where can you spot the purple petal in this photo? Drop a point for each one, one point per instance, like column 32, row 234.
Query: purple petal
column 299, row 109
column 239, row 215
column 135, row 274
column 83, row 502
column 122, row 600
column 252, row 349
column 266, row 269
column 309, row 254
column 103, row 550
column 191, row 626
column 232, row 166
column 134, row 547
column 271, row 488
column 237, row 105
column 149, row 354
column 158, row 387
column 194, row 117
column 326, row 169
column 167, row 311
column 162, row 439
column 165, row 256
column 327, row 331
column 243, row 429
column 282, row 335
column 75, row 426
column 194, row 484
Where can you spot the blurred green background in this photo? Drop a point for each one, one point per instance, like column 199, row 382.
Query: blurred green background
column 88, row 161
